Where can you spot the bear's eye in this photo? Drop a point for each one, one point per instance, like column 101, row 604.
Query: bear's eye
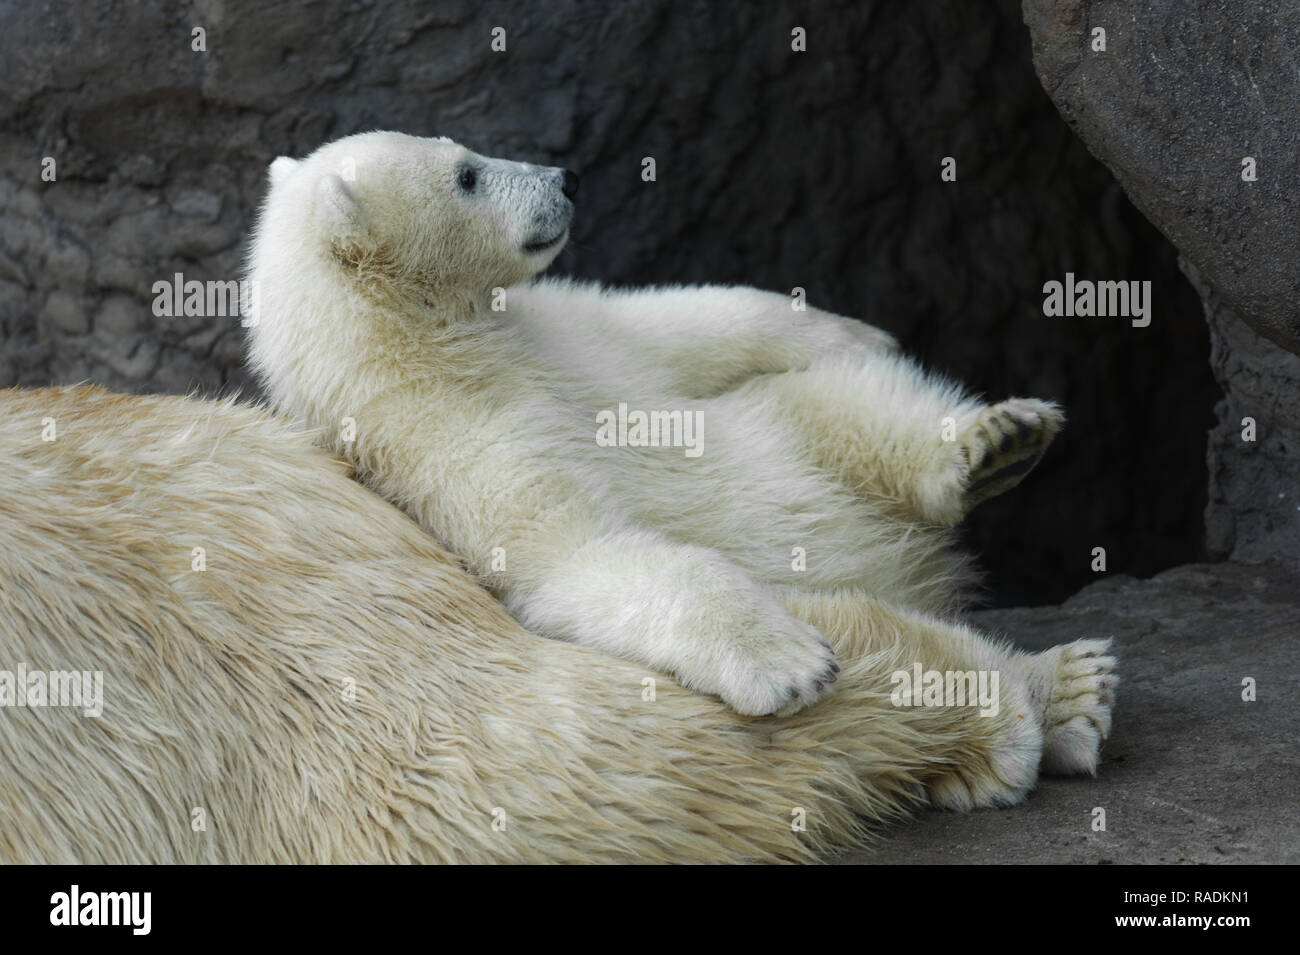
column 467, row 178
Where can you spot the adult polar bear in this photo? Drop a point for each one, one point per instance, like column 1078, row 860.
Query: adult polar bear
column 377, row 262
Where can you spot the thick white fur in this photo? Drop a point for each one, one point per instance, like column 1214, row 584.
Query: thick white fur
column 467, row 739
column 377, row 273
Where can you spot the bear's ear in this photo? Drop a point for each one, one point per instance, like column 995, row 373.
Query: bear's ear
column 280, row 169
column 337, row 204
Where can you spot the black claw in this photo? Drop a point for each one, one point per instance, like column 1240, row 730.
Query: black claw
column 1006, row 443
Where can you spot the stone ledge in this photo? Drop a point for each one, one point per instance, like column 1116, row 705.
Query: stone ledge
column 1192, row 773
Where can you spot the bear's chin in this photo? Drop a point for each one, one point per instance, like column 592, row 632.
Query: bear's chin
column 541, row 246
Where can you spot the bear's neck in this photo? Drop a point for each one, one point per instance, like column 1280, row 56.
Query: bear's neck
column 327, row 347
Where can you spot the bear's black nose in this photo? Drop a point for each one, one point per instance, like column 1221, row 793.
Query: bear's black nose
column 570, row 187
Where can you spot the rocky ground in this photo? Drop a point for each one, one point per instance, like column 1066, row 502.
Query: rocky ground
column 1191, row 773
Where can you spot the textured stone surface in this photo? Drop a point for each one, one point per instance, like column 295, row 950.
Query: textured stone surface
column 1254, row 452
column 1191, row 772
column 1183, row 93
column 777, row 169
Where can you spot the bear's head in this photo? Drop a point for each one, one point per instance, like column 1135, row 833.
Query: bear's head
column 417, row 217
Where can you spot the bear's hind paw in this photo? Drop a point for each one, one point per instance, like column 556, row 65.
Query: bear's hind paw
column 1076, row 720
column 1003, row 443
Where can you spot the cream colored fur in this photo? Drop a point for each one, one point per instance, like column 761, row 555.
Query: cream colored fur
column 395, row 304
column 377, row 271
column 225, row 689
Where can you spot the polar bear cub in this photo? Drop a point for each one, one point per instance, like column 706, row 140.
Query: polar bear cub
column 674, row 475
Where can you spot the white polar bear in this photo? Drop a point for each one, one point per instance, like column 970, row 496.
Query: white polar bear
column 395, row 316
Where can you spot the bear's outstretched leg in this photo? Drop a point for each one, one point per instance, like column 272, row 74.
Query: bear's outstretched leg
column 912, row 442
column 1054, row 704
column 995, row 762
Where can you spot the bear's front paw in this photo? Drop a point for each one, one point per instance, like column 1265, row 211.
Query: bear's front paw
column 776, row 664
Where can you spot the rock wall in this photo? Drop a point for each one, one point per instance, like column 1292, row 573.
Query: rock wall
column 1193, row 105
column 1253, row 512
column 780, row 169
